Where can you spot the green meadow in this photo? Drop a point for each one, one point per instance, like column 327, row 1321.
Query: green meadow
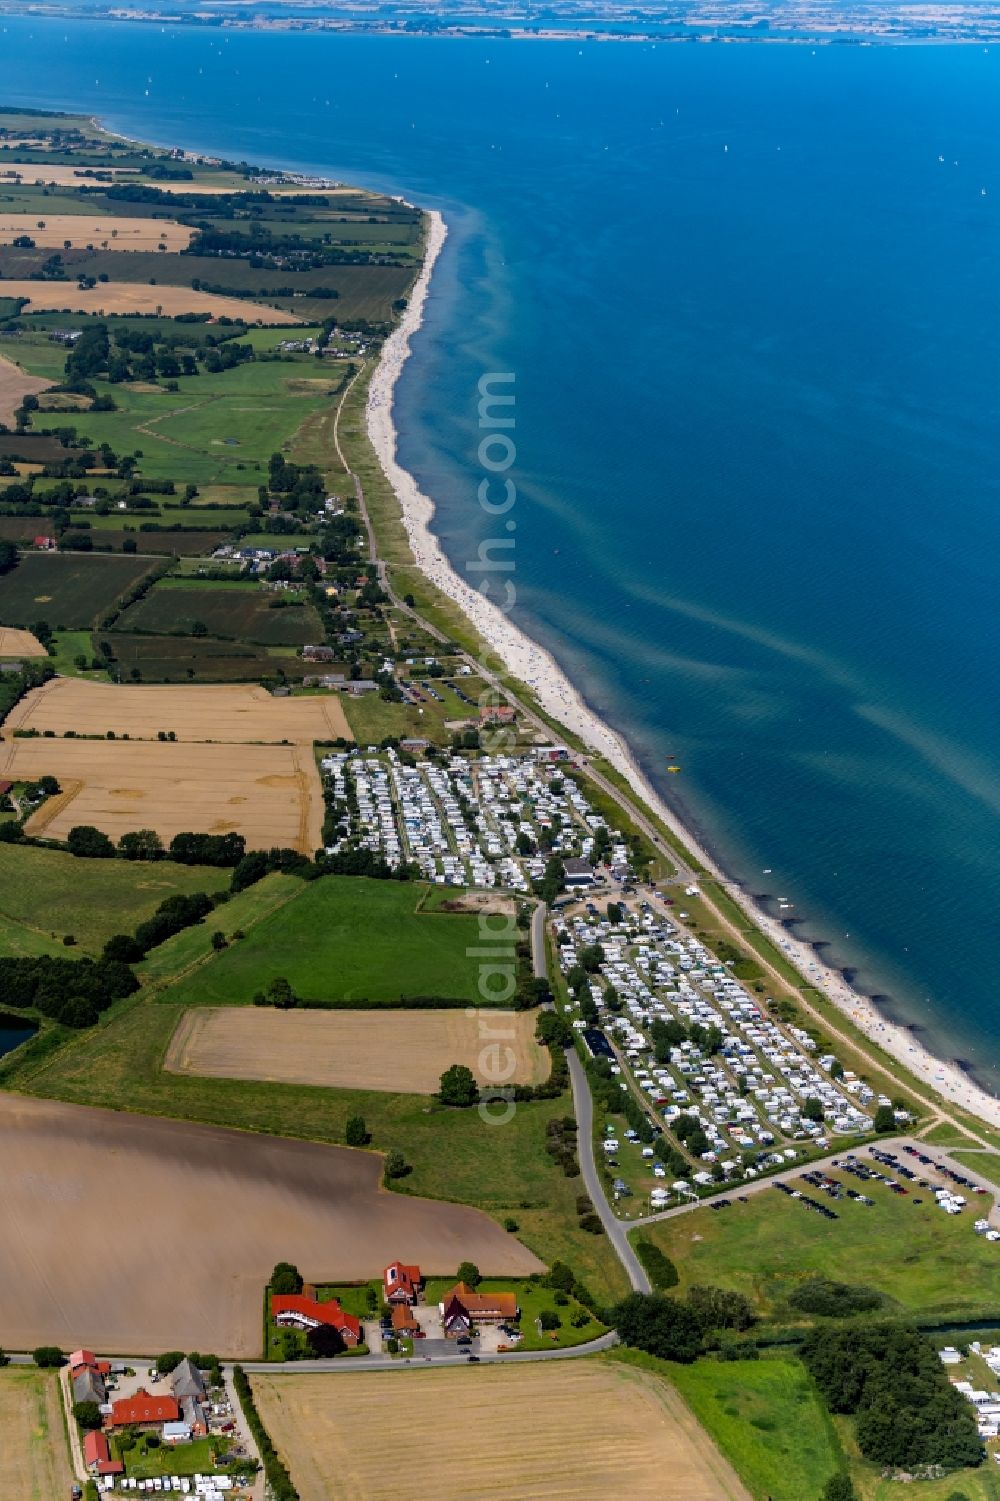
column 47, row 894
column 343, row 939
column 926, row 1263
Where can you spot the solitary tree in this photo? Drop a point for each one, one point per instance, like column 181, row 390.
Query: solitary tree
column 470, row 1274
column 280, row 993
column 286, row 1278
column 839, row 1488
column 356, row 1132
column 884, row 1119
column 458, row 1086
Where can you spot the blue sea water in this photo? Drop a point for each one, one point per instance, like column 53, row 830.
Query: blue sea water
column 750, row 296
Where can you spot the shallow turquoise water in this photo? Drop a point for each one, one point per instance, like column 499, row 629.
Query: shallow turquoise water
column 757, row 442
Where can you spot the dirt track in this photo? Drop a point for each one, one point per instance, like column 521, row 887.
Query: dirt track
column 110, row 297
column 237, row 713
column 269, row 793
column 14, row 386
column 404, row 1052
column 132, row 1234
column 553, row 1431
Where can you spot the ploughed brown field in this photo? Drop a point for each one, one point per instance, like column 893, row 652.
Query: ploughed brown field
column 561, row 1430
column 271, row 794
column 106, row 233
column 110, row 297
column 19, row 643
column 126, row 1233
column 233, row 712
column 34, row 1455
column 14, row 386
column 404, row 1052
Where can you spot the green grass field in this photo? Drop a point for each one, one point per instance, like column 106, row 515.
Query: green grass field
column 243, row 614
column 768, row 1419
column 987, row 1163
column 343, row 939
column 927, row 1263
column 213, row 428
column 197, row 659
column 945, row 1135
column 45, row 894
column 69, row 590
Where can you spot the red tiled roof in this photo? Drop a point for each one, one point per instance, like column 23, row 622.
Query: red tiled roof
column 144, row 1408
column 82, row 1358
column 398, row 1277
column 95, row 1449
column 320, row 1313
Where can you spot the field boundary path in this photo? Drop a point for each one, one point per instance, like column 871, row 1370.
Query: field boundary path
column 72, row 1431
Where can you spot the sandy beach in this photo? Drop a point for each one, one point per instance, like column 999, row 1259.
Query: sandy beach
column 535, row 667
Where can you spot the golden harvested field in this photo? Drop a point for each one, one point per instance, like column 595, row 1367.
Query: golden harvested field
column 19, row 643
column 110, row 297
column 236, row 712
column 132, row 1234
column 101, row 233
column 271, row 794
column 14, row 386
column 404, row 1052
column 538, row 1431
column 34, row 1456
column 56, row 174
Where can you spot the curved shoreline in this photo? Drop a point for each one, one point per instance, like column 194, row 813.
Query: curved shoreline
column 536, row 667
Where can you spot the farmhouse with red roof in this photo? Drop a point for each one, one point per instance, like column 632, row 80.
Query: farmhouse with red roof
column 401, row 1283
column 296, row 1311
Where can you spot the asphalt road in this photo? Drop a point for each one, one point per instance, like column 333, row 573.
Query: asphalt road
column 616, row 1232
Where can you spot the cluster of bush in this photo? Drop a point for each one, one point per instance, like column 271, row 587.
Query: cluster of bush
column 172, row 915
column 833, row 1300
column 71, row 991
column 657, row 1264
column 907, row 1413
column 681, row 1329
column 560, row 1143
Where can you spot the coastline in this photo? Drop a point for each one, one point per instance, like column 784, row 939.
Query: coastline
column 533, row 665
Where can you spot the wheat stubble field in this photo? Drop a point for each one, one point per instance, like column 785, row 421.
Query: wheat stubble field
column 403, row 1052
column 233, row 712
column 225, row 771
column 271, row 794
column 15, row 643
column 34, row 1455
column 110, row 297
column 562, row 1430
column 81, row 230
column 15, row 384
column 133, row 1234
